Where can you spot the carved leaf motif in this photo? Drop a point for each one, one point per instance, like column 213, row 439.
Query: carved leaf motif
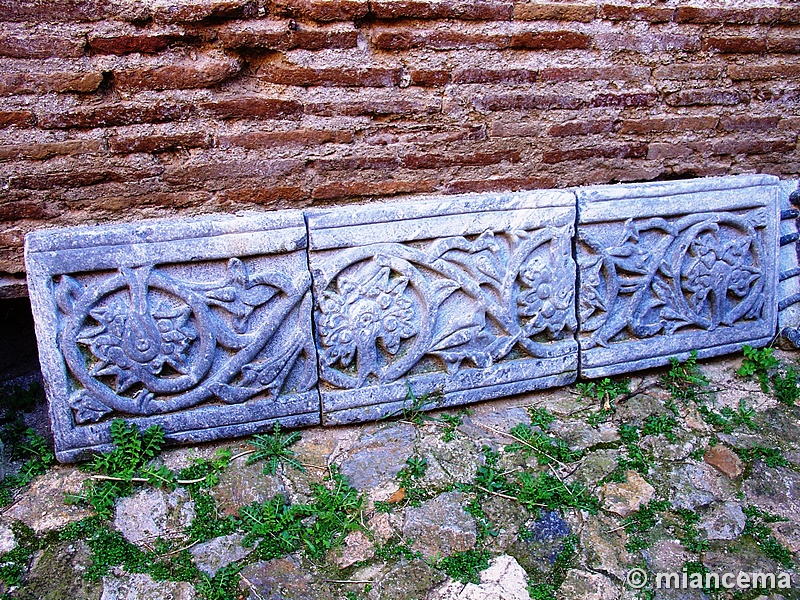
column 87, row 408
column 369, row 306
column 464, row 339
column 240, row 295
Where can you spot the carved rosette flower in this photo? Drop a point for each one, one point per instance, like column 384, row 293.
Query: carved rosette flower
column 547, row 297
column 717, row 268
column 362, row 312
column 128, row 344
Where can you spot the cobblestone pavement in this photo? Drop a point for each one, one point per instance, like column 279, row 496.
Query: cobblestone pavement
column 576, row 493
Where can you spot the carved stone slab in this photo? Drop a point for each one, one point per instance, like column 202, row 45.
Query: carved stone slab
column 666, row 268
column 454, row 299
column 789, row 264
column 202, row 326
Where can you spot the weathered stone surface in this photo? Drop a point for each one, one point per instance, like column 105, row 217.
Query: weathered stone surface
column 637, row 408
column 200, row 326
column 58, row 572
column 460, row 298
column 691, row 485
column 666, row 268
column 241, row 484
column 725, row 460
column 724, row 521
column 580, row 435
column 774, row 489
column 747, row 557
column 605, row 541
column 143, row 587
column 441, row 526
column 43, row 508
column 789, row 264
column 787, row 533
column 407, row 579
column 542, row 543
column 356, row 548
column 667, row 556
column 213, row 555
column 662, row 449
column 505, row 579
column 283, row 578
column 596, row 466
column 626, row 497
column 153, row 513
column 584, row 585
column 7, row 540
column 377, row 456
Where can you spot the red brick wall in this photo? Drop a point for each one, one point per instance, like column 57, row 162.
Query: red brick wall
column 124, row 109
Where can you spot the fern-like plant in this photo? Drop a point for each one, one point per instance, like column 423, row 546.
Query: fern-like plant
column 128, row 463
column 275, row 449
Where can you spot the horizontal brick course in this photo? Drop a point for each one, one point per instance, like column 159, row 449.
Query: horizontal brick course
column 535, row 11
column 335, row 76
column 279, row 35
column 489, row 10
column 16, row 83
column 133, row 108
column 115, row 114
column 604, row 151
column 183, row 73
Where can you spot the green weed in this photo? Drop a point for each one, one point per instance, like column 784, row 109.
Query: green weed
column 540, row 417
column 786, row 387
column 204, row 472
column 756, row 526
column 208, row 523
column 450, row 423
column 604, row 390
column 128, row 463
column 773, row 457
column 544, row 490
column 465, row 566
column 14, row 563
column 275, row 448
column 408, row 477
column 546, row 590
column 641, row 522
column 685, row 381
column 20, row 443
column 24, row 444
column 110, row 549
column 660, row 425
column 281, row 528
column 634, row 458
column 688, row 534
column 760, row 363
column 546, row 448
column 224, row 585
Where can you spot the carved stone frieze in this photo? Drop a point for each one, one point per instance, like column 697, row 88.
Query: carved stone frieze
column 221, row 326
column 460, row 299
column 666, row 268
column 202, row 327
